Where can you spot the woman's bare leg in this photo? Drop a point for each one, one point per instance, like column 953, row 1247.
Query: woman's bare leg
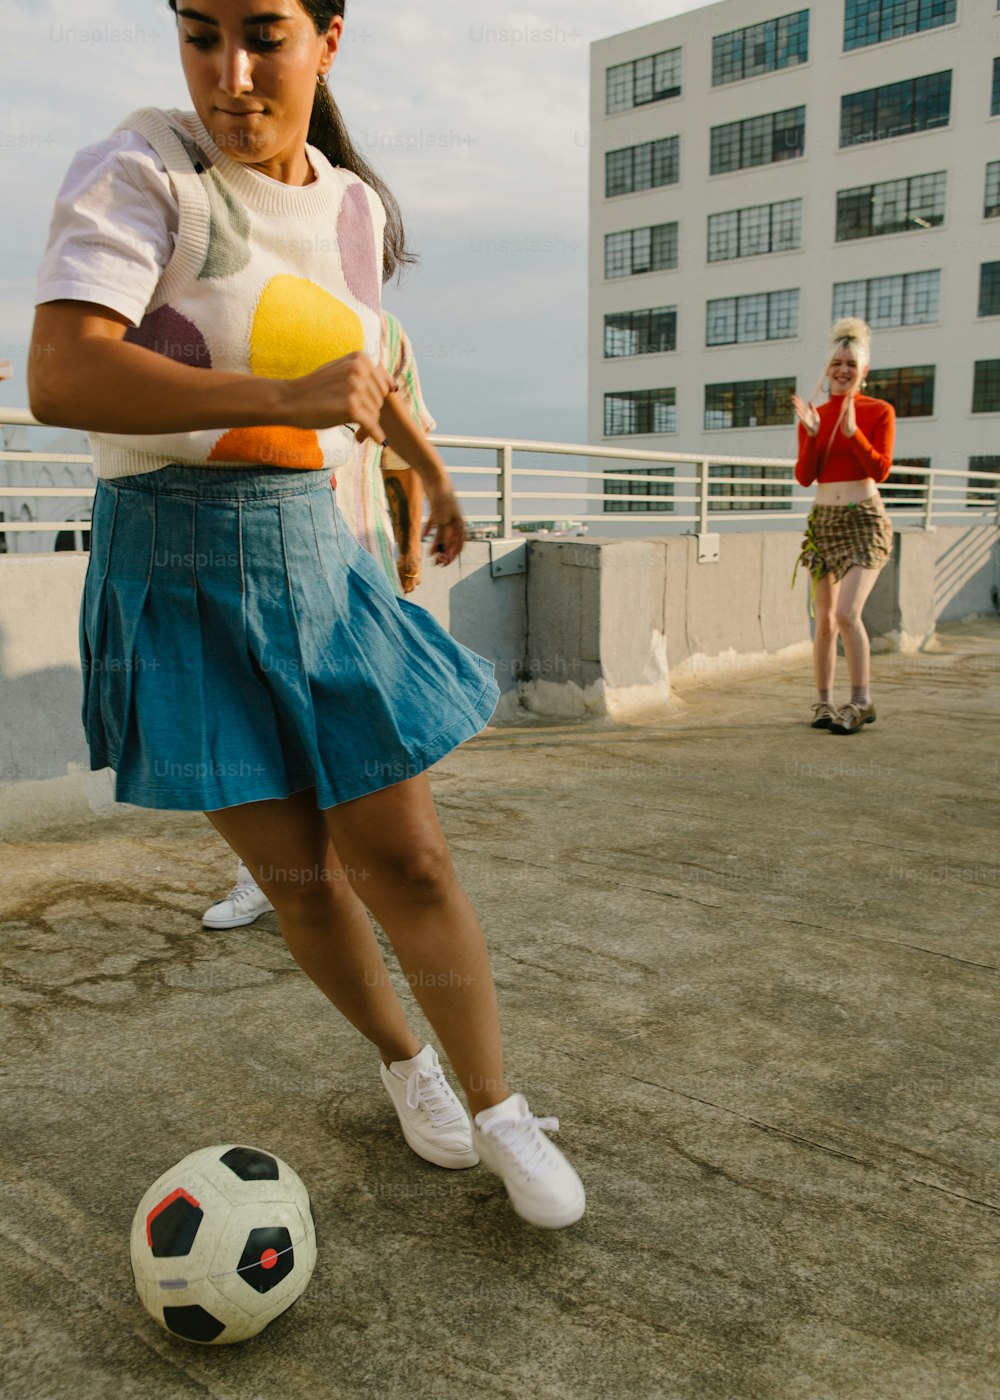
column 286, row 846
column 825, row 639
column 412, row 889
column 855, row 587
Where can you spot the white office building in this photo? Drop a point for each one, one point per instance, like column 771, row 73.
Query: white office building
column 759, row 169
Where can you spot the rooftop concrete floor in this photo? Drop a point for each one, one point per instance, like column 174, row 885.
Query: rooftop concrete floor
column 753, row 969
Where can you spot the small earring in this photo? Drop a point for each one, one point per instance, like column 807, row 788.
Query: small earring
column 321, row 77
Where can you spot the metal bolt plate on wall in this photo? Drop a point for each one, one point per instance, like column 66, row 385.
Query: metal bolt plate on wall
column 508, row 557
column 708, row 549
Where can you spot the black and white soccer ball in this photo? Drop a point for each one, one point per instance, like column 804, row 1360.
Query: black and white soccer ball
column 222, row 1243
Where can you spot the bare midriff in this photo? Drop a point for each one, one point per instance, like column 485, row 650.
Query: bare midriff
column 845, row 493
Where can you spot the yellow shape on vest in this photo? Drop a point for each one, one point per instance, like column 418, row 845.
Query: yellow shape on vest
column 299, row 326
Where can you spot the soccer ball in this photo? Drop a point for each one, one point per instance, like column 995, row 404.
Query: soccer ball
column 222, row 1243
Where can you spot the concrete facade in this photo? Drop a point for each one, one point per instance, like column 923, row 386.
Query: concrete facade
column 950, row 341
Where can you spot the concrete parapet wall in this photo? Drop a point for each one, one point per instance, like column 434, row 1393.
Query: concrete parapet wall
column 592, row 626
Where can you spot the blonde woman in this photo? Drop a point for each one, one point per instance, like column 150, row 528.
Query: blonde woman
column 845, row 448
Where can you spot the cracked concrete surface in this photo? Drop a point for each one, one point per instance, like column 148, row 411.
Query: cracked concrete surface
column 753, row 969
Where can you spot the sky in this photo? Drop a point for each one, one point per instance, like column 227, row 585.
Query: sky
column 475, row 117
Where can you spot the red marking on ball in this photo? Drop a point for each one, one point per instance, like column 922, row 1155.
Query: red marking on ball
column 269, row 1258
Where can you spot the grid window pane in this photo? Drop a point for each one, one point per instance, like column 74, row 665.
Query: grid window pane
column 995, row 90
column 850, row 299
column 725, row 153
column 724, row 235
column 619, row 88
column 786, row 225
column 760, row 48
column 921, row 295
column 925, row 205
column 789, row 134
column 720, row 321
column 989, row 289
column 854, row 213
column 783, row 315
column 894, row 110
column 751, row 403
column 755, row 230
column 618, row 172
column 885, row 301
column 986, row 387
column 664, row 246
column 640, row 411
column 751, row 318
column 889, row 202
column 910, row 390
column 758, row 134
column 875, row 21
column 914, row 483
column 642, row 167
column 617, row 249
column 642, row 80
column 640, row 332
column 991, row 198
column 878, row 114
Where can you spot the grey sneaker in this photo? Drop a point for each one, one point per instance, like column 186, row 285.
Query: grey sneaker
column 823, row 715
column 433, row 1121
column 244, row 903
column 853, row 717
column 542, row 1186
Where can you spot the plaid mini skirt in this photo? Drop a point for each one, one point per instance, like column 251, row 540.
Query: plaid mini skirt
column 838, row 537
column 238, row 644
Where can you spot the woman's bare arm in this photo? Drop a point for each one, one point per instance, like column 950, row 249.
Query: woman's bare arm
column 83, row 374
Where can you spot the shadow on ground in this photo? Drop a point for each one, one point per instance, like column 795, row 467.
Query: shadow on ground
column 752, row 967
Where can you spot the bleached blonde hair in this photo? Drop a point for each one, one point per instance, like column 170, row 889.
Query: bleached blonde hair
column 849, row 333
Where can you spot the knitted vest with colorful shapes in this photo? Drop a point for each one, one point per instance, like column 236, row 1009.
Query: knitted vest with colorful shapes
column 265, row 279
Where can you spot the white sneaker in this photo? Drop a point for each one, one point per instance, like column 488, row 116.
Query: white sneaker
column 245, row 902
column 434, row 1123
column 542, row 1186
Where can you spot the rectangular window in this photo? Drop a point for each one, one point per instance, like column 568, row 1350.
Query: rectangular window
column 991, row 198
column 760, row 48
column 910, row 390
column 751, row 403
column 644, row 167
column 640, row 411
column 758, row 141
column 652, row 249
column 656, row 494
column 983, row 495
column 995, row 90
column 778, row 496
column 875, row 21
column 986, row 387
column 989, row 289
column 640, row 332
column 643, row 80
column 909, row 299
column 762, row 228
column 891, row 207
column 878, row 114
column 761, row 316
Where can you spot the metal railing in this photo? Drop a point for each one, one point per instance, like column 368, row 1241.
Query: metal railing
column 714, row 491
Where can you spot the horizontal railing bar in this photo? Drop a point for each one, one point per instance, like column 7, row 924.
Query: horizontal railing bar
column 28, row 525
column 84, row 491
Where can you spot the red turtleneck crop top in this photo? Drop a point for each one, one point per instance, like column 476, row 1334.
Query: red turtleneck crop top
column 867, row 454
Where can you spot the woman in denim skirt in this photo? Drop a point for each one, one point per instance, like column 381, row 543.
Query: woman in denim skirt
column 208, row 310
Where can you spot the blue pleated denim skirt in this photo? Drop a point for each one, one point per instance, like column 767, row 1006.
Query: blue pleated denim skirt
column 238, row 644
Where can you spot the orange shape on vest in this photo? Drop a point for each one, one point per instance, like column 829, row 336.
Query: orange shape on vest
column 296, row 448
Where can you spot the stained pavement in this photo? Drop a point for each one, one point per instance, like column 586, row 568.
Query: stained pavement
column 752, row 968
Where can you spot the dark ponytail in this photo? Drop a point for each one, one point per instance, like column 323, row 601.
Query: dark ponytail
column 328, row 133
